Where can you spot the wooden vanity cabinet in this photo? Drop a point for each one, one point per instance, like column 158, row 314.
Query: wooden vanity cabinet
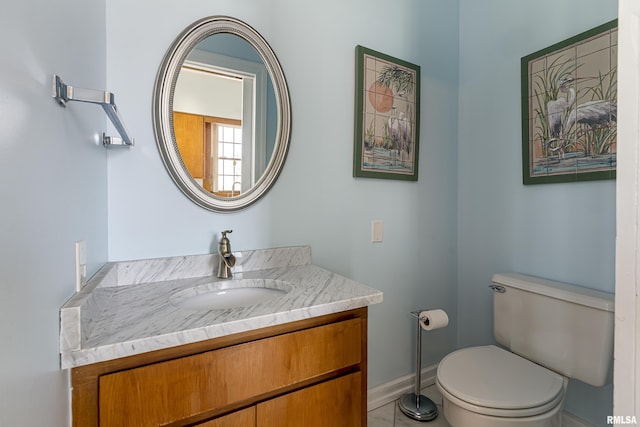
column 243, row 418
column 308, row 373
column 335, row 403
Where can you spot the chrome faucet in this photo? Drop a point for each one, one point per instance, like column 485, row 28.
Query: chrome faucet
column 226, row 258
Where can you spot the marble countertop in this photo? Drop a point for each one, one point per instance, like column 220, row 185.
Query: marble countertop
column 127, row 309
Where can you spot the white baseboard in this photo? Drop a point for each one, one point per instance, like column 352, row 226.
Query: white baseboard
column 391, row 391
column 394, row 389
column 570, row 420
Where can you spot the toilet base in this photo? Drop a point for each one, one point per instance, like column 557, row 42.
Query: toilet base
column 420, row 409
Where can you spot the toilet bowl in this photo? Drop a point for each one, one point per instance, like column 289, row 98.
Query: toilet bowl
column 548, row 332
column 490, row 387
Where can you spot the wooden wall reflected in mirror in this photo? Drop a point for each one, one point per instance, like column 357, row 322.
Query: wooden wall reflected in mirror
column 189, row 130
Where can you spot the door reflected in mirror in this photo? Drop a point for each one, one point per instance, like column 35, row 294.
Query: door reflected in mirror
column 224, row 115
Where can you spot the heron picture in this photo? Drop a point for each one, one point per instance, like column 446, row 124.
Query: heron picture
column 569, row 109
column 387, row 111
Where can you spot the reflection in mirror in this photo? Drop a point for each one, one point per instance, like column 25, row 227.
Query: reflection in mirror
column 222, row 115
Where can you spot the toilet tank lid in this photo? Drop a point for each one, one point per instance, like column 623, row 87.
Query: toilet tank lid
column 559, row 290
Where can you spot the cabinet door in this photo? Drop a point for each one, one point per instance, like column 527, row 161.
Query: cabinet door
column 166, row 392
column 189, row 130
column 244, row 418
column 335, row 403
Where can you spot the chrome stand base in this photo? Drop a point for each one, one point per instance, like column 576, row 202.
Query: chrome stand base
column 420, row 408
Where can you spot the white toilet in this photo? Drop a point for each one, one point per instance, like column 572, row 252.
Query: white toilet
column 553, row 331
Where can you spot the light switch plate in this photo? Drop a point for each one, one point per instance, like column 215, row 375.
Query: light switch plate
column 376, row 231
column 81, row 264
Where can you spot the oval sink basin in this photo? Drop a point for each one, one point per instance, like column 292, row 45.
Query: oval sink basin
column 230, row 294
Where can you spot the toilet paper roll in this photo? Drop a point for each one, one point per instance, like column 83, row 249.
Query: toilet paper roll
column 433, row 319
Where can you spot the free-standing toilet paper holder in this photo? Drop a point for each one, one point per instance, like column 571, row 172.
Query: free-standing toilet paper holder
column 414, row 405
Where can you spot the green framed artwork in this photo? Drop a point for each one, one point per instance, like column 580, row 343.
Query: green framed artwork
column 386, row 117
column 569, row 109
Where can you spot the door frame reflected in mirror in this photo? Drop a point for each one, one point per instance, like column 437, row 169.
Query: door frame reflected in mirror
column 252, row 111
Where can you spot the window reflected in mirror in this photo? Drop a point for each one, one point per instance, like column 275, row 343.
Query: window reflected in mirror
column 228, row 175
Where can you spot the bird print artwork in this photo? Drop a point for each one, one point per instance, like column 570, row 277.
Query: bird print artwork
column 564, row 114
column 389, row 139
column 387, row 116
column 400, row 134
column 570, row 109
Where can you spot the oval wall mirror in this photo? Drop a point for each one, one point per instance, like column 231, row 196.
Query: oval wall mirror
column 222, row 114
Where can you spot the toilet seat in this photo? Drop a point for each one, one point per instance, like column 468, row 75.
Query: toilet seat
column 492, row 381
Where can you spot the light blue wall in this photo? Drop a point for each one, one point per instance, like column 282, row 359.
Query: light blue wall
column 561, row 231
column 53, row 181
column 467, row 217
column 316, row 200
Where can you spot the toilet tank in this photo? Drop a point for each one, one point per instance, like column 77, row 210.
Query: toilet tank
column 566, row 328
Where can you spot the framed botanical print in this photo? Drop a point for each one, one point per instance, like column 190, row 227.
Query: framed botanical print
column 386, row 117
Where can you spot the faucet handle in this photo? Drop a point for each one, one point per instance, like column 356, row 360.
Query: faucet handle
column 225, row 232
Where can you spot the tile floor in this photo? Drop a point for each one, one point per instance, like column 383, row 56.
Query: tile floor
column 391, row 416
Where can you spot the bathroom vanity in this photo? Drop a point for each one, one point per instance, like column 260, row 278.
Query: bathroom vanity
column 139, row 356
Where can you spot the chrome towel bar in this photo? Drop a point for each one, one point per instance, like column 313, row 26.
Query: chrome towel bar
column 64, row 93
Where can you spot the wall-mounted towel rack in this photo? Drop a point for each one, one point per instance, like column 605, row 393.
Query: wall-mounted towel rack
column 64, row 93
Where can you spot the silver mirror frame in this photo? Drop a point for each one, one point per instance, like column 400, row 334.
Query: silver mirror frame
column 163, row 108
